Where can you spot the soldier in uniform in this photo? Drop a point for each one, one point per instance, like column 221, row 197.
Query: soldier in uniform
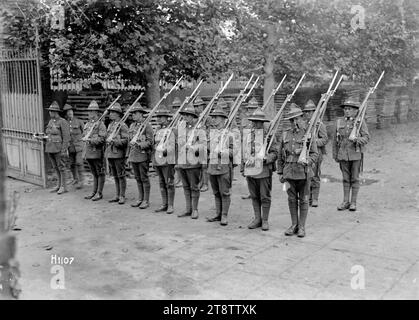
column 349, row 154
column 199, row 105
column 296, row 175
column 115, row 153
column 190, row 172
column 220, row 169
column 175, row 105
column 322, row 140
column 76, row 146
column 139, row 156
column 245, row 123
column 57, row 141
column 164, row 162
column 260, row 184
column 93, row 150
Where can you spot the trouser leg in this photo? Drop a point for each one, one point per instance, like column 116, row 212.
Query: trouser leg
column 355, row 185
column 194, row 178
column 213, row 180
column 95, row 174
column 170, row 186
column 315, row 181
column 54, row 165
column 303, row 200
column 144, row 166
column 79, row 169
column 254, row 190
column 187, row 192
column 346, row 179
column 114, row 173
column 61, row 168
column 73, row 167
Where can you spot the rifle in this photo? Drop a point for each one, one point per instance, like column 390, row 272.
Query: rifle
column 234, row 111
column 89, row 133
column 240, row 95
column 273, row 93
column 143, row 125
column 269, row 138
column 189, row 99
column 362, row 110
column 314, row 122
column 117, row 127
column 204, row 115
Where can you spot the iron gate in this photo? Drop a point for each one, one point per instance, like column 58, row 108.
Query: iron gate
column 22, row 114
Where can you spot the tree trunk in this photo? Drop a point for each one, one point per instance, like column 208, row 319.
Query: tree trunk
column 153, row 88
column 269, row 81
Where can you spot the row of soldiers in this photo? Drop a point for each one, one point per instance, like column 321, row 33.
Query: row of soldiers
column 302, row 181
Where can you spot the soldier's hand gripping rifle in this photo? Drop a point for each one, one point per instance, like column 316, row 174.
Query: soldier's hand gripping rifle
column 89, row 133
column 361, row 113
column 176, row 117
column 314, row 123
column 254, row 166
column 204, row 115
column 273, row 93
column 136, row 139
column 117, row 127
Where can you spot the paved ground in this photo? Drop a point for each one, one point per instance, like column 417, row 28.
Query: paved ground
column 125, row 253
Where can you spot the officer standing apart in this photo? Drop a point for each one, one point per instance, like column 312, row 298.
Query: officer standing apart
column 259, row 185
column 349, row 154
column 322, row 140
column 76, row 146
column 139, row 155
column 297, row 176
column 189, row 167
column 164, row 160
column 220, row 168
column 57, row 141
column 115, row 153
column 94, row 150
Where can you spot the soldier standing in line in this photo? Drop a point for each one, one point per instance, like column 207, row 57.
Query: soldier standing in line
column 349, row 154
column 115, row 153
column 76, row 146
column 139, row 156
column 164, row 160
column 175, row 105
column 296, row 175
column 260, row 185
column 220, row 169
column 190, row 172
column 57, row 141
column 245, row 123
column 199, row 105
column 322, row 140
column 94, row 150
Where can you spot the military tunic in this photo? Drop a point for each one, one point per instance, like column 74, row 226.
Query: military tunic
column 139, row 157
column 58, row 139
column 260, row 185
column 349, row 154
column 76, row 144
column 115, row 150
column 297, row 175
column 94, row 148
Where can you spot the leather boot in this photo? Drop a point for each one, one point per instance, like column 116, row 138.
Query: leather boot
column 354, row 196
column 164, row 196
column 57, row 187
column 315, row 197
column 140, row 194
column 80, row 177
column 225, row 201
column 345, row 204
column 293, row 229
column 95, row 186
column 218, row 206
column 302, row 220
column 170, row 199
column 257, row 221
column 123, row 187
column 101, row 184
column 117, row 191
column 63, row 188
column 195, row 201
column 146, row 202
column 188, row 203
column 265, row 216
